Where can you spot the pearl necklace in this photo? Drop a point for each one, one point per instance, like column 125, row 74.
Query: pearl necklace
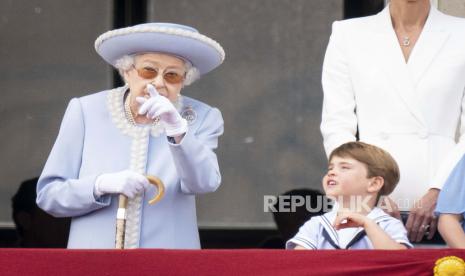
column 130, row 117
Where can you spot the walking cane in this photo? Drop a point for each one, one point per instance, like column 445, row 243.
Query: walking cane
column 122, row 205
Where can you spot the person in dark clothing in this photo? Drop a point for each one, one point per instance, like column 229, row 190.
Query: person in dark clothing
column 34, row 227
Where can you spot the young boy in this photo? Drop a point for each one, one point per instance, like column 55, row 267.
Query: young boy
column 358, row 174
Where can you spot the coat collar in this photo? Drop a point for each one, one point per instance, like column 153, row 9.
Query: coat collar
column 406, row 76
column 327, row 220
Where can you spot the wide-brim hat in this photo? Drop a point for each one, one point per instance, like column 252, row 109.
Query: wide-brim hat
column 179, row 40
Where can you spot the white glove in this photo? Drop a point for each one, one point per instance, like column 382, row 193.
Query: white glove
column 159, row 106
column 125, row 182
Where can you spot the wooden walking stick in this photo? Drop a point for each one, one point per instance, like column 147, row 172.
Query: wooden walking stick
column 123, row 204
column 121, row 221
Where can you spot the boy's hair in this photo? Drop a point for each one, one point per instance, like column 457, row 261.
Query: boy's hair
column 377, row 161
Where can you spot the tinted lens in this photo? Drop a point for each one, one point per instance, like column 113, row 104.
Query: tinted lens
column 151, row 73
column 173, row 77
column 147, row 73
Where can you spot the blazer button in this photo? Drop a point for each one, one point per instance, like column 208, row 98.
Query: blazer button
column 423, row 134
column 383, row 135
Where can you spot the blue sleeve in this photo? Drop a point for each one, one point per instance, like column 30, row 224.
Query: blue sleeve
column 307, row 236
column 452, row 196
column 396, row 230
column 194, row 158
column 60, row 191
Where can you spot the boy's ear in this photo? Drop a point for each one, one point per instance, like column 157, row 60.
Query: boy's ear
column 375, row 184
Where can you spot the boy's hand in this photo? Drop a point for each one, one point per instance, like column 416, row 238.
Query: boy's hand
column 348, row 219
column 378, row 237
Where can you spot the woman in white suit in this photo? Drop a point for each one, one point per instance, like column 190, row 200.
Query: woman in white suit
column 397, row 80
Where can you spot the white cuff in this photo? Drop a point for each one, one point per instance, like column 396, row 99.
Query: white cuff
column 97, row 192
column 176, row 129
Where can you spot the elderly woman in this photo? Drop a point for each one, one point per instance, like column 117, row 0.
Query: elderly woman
column 109, row 140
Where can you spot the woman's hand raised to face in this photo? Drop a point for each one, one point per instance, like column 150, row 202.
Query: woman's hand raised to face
column 159, row 106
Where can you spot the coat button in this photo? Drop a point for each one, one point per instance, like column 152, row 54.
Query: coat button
column 423, row 134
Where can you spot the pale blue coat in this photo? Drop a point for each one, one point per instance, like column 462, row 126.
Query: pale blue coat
column 451, row 200
column 89, row 144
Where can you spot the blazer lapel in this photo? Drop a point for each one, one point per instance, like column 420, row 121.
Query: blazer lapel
column 392, row 63
column 429, row 44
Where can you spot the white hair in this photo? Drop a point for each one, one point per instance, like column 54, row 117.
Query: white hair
column 125, row 63
column 192, row 73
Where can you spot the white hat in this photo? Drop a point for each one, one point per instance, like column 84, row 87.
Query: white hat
column 179, row 40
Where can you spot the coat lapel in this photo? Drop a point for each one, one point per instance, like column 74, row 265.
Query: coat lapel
column 428, row 46
column 392, row 63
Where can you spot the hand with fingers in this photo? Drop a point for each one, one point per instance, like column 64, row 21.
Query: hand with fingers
column 160, row 106
column 348, row 219
column 124, row 182
column 378, row 237
column 421, row 221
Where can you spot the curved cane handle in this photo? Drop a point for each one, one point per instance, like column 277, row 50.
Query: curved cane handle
column 160, row 187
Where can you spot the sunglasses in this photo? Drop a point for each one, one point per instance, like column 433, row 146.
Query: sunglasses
column 151, row 73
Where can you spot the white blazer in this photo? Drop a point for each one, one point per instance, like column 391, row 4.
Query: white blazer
column 412, row 110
